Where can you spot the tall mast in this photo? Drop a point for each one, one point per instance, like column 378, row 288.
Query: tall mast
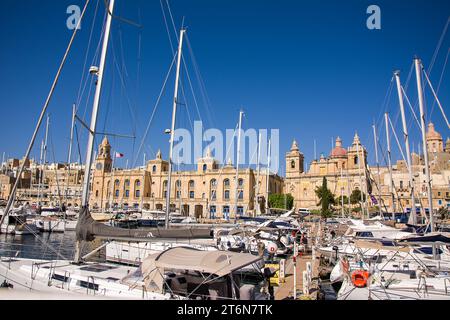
column 257, row 207
column 375, row 139
column 69, row 157
column 267, row 179
column 143, row 185
column 412, row 216
column 172, row 130
column 360, row 182
column 391, row 182
column 342, row 194
column 93, row 125
column 418, row 64
column 241, row 113
column 113, row 183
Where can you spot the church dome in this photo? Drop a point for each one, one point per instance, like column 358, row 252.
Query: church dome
column 338, row 150
column 432, row 134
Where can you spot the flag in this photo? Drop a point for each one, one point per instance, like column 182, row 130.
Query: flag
column 119, row 155
column 374, row 200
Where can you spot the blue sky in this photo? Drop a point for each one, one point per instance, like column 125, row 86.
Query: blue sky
column 309, row 68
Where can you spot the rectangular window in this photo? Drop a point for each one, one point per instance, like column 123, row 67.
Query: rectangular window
column 117, row 193
column 138, row 193
column 178, row 194
column 127, row 193
column 241, row 195
column 240, row 210
column 191, row 194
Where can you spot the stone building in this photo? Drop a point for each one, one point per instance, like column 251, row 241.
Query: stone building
column 343, row 169
column 208, row 192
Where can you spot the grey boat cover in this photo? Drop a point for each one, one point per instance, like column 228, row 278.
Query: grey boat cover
column 443, row 238
column 88, row 229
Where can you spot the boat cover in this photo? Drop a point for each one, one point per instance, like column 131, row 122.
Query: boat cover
column 88, row 229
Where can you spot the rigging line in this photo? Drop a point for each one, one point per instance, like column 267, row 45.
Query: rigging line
column 411, row 107
column 203, row 91
column 438, row 47
column 408, row 79
column 41, row 116
column 87, row 51
column 93, row 62
column 192, row 89
column 155, row 107
column 186, row 105
column 440, row 80
column 436, row 98
column 167, row 27
column 109, row 101
column 124, row 90
column 78, row 143
column 396, row 138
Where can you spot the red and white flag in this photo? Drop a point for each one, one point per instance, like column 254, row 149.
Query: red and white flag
column 119, row 155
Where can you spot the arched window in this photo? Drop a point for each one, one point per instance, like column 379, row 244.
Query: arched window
column 204, row 167
column 240, row 182
column 355, row 159
column 165, row 188
column 96, row 193
column 293, row 164
column 226, row 183
column 191, row 184
column 154, row 169
column 117, row 182
column 137, row 183
column 127, row 183
column 213, row 186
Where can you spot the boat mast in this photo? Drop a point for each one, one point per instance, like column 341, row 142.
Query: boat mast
column 257, row 207
column 360, row 182
column 172, row 130
column 375, row 139
column 342, row 194
column 418, row 65
column 44, row 152
column 113, row 184
column 267, row 179
column 391, row 182
column 69, row 157
column 241, row 113
column 93, row 125
column 412, row 216
column 143, row 185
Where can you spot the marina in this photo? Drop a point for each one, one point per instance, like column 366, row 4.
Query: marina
column 367, row 221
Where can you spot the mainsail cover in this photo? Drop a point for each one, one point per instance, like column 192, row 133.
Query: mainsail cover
column 88, row 229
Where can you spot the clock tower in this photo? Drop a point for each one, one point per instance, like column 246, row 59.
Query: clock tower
column 104, row 160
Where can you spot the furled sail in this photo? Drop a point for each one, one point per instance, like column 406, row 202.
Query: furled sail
column 88, row 229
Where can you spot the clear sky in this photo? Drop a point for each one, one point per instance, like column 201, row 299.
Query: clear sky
column 309, row 68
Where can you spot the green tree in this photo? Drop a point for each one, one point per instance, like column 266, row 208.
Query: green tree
column 338, row 200
column 326, row 198
column 281, row 201
column 355, row 197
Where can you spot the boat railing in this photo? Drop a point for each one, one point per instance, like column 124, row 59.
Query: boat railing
column 445, row 284
column 422, row 286
column 89, row 284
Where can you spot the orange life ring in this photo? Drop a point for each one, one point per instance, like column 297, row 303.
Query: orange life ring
column 360, row 278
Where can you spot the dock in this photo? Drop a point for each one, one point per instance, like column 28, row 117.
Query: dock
column 285, row 291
